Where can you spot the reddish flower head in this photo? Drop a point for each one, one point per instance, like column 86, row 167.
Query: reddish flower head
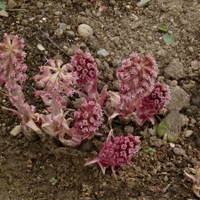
column 11, row 60
column 88, row 119
column 153, row 103
column 117, row 152
column 58, row 81
column 137, row 76
column 86, row 69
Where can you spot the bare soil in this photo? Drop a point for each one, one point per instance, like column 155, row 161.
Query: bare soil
column 49, row 171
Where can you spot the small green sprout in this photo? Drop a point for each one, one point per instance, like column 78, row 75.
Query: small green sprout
column 42, row 167
column 163, row 28
column 53, row 181
column 168, row 38
column 19, row 16
column 150, row 151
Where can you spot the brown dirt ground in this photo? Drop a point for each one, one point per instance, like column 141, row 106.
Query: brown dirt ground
column 48, row 171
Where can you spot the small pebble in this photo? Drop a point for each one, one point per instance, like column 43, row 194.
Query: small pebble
column 70, row 34
column 142, row 3
column 193, row 121
column 11, row 4
column 172, row 145
column 191, row 49
column 195, row 101
column 166, row 178
column 39, row 4
column 188, row 133
column 58, row 13
column 179, row 151
column 24, row 22
column 58, row 32
column 85, row 31
column 131, row 182
column 63, row 26
column 3, row 13
column 135, row 17
column 40, row 47
column 102, row 52
column 128, row 129
column 156, row 142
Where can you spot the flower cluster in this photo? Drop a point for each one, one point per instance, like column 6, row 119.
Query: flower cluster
column 11, row 60
column 88, row 118
column 12, row 76
column 84, row 66
column 58, row 81
column 137, row 76
column 117, row 152
column 140, row 97
column 153, row 103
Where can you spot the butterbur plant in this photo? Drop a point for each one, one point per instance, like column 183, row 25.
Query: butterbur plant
column 87, row 120
column 116, row 151
column 137, row 78
column 12, row 77
column 153, row 103
column 195, row 176
column 12, row 60
column 57, row 81
column 139, row 96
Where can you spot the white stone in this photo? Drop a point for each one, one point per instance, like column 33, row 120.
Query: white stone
column 3, row 13
column 142, row 3
column 179, row 151
column 16, row 130
column 102, row 52
column 188, row 133
column 172, row 145
column 85, row 31
column 40, row 47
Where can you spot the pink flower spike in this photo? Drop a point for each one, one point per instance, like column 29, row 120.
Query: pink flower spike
column 153, row 103
column 59, row 81
column 137, row 76
column 87, row 119
column 11, row 59
column 84, row 66
column 117, row 152
column 56, row 76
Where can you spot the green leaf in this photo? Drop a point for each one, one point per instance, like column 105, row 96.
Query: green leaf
column 42, row 167
column 170, row 127
column 3, row 5
column 53, row 181
column 150, row 151
column 163, row 28
column 169, row 38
